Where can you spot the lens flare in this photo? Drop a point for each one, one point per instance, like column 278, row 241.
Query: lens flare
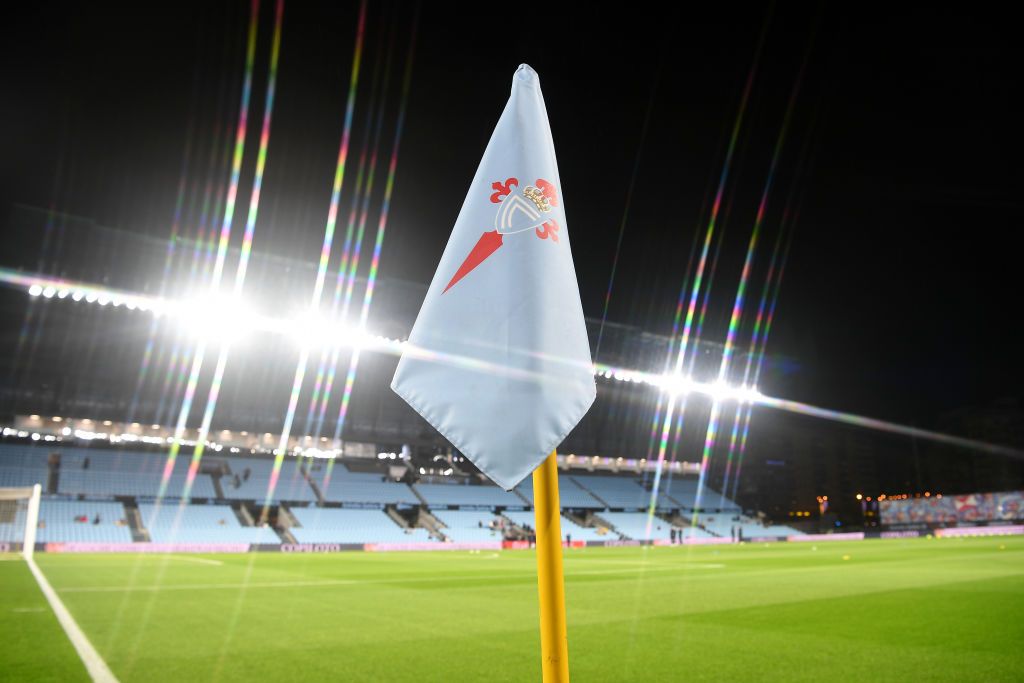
column 736, row 316
column 244, row 255
column 382, row 222
column 696, row 288
column 229, row 210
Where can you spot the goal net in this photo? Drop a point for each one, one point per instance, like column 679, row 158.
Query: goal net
column 19, row 517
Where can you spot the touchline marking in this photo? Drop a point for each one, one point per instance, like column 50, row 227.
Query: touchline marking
column 356, row 582
column 94, row 664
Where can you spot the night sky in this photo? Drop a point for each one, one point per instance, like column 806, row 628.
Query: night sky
column 900, row 169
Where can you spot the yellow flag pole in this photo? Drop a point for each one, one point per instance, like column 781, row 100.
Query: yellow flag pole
column 554, row 645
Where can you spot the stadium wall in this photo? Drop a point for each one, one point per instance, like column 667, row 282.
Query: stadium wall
column 235, row 548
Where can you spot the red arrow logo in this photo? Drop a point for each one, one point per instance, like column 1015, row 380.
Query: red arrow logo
column 543, row 196
column 485, row 246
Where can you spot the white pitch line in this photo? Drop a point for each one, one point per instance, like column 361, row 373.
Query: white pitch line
column 357, row 582
column 209, row 586
column 94, row 664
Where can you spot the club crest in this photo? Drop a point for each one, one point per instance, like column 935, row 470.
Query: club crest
column 519, row 211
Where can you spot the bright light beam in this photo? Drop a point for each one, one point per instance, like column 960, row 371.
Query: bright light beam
column 743, row 413
column 325, row 255
column 671, row 385
column 327, row 369
column 225, row 235
column 760, row 348
column 697, row 281
column 737, row 310
column 382, row 222
column 246, row 251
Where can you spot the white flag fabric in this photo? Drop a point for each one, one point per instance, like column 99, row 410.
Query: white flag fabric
column 498, row 360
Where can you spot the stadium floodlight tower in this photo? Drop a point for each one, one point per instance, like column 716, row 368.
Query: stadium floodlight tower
column 21, row 506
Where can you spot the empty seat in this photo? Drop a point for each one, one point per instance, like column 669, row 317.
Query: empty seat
column 341, row 525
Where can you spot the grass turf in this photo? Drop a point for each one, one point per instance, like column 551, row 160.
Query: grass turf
column 926, row 609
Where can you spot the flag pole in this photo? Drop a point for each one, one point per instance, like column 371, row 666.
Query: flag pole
column 554, row 645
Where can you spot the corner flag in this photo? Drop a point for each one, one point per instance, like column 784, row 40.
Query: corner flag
column 498, row 360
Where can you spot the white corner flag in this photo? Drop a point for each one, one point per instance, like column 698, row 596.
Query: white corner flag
column 498, row 360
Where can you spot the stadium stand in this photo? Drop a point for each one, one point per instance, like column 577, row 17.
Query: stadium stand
column 249, row 479
column 570, row 494
column 616, row 492
column 342, row 525
column 634, row 525
column 64, row 521
column 106, row 473
column 469, row 525
column 23, row 476
column 365, row 487
column 467, row 494
column 722, row 525
column 966, row 508
column 102, row 473
column 582, row 533
column 23, row 466
column 200, row 524
column 578, row 533
column 683, row 492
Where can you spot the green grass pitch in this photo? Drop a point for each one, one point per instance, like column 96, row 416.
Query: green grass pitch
column 922, row 609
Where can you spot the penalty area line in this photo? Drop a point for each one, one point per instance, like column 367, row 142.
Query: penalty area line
column 94, row 664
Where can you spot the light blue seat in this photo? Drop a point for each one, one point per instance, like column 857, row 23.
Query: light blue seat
column 291, row 483
column 569, row 527
column 465, row 526
column 127, row 473
column 342, row 525
column 483, row 495
column 365, row 487
column 57, row 522
column 617, row 492
column 634, row 525
column 570, row 494
column 172, row 522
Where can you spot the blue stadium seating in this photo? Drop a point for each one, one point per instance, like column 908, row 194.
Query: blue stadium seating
column 100, row 472
column 468, row 525
column 684, row 493
column 342, row 525
column 23, row 465
column 570, row 494
column 634, row 525
column 569, row 527
column 20, row 455
column 291, row 484
column 365, row 487
column 722, row 525
column 57, row 522
column 16, row 477
column 468, row 494
column 617, row 492
column 173, row 523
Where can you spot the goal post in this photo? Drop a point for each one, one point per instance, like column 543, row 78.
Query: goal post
column 19, row 516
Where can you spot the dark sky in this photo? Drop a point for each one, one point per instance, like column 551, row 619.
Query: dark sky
column 900, row 166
